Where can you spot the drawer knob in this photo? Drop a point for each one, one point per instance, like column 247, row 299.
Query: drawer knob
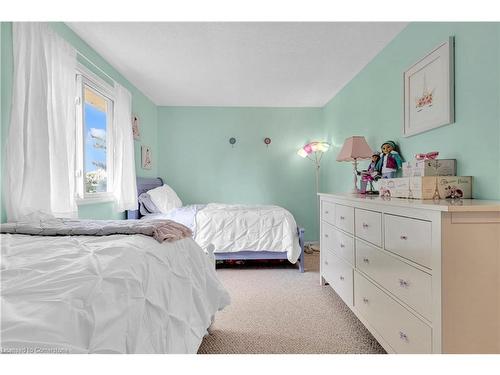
column 403, row 336
column 342, row 245
column 326, row 262
column 327, row 212
column 366, row 260
column 326, row 235
column 365, row 225
column 403, row 237
column 342, row 218
column 341, row 278
column 365, row 300
column 403, row 283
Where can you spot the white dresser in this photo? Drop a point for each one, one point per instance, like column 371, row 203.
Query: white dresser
column 422, row 276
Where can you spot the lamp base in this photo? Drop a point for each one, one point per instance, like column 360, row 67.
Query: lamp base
column 355, row 189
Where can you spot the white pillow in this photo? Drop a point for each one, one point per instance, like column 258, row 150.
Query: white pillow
column 165, row 198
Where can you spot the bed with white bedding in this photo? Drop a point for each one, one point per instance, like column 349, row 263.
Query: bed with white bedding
column 236, row 231
column 105, row 294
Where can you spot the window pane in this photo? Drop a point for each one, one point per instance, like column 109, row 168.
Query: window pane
column 95, row 120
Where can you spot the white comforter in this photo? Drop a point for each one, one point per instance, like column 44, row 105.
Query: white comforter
column 113, row 294
column 232, row 228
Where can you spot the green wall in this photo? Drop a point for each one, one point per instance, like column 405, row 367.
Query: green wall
column 141, row 105
column 371, row 105
column 191, row 149
column 197, row 160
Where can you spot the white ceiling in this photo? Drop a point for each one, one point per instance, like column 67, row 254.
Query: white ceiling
column 260, row 64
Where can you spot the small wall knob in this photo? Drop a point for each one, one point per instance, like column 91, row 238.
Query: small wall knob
column 403, row 336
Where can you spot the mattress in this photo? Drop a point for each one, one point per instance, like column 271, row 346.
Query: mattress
column 110, row 294
column 233, row 228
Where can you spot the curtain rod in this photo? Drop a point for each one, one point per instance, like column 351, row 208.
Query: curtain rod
column 95, row 66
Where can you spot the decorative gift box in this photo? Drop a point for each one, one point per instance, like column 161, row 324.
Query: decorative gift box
column 436, row 167
column 427, row 187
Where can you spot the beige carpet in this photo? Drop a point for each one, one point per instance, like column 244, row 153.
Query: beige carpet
column 276, row 309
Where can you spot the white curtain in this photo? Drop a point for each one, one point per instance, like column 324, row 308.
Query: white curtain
column 124, row 182
column 40, row 147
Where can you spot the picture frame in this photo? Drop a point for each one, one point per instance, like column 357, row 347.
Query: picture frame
column 146, row 158
column 135, row 127
column 429, row 91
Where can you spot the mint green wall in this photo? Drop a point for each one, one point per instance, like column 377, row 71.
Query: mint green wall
column 141, row 105
column 371, row 105
column 191, row 149
column 197, row 160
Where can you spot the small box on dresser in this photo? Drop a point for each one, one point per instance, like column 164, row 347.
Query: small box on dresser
column 436, row 167
column 422, row 276
column 429, row 187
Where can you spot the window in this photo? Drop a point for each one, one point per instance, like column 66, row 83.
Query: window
column 94, row 136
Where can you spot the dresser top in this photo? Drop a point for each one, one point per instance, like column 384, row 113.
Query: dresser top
column 457, row 205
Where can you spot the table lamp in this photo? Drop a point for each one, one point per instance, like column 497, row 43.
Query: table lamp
column 355, row 148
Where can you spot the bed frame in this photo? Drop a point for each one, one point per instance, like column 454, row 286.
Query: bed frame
column 145, row 184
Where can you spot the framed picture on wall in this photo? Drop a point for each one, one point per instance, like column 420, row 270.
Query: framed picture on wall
column 146, row 159
column 135, row 127
column 429, row 91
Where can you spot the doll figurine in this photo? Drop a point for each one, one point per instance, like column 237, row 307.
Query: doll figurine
column 390, row 161
column 369, row 175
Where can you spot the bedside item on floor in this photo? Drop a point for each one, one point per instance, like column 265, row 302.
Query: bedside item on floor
column 427, row 187
column 311, row 248
column 355, row 148
column 314, row 152
column 390, row 160
column 368, row 176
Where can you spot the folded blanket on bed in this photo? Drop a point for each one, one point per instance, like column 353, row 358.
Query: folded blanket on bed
column 161, row 230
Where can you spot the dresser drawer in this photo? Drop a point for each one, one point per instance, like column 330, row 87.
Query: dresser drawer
column 338, row 242
column 368, row 226
column 328, row 236
column 328, row 212
column 410, row 238
column 339, row 275
column 344, row 218
column 402, row 330
column 409, row 284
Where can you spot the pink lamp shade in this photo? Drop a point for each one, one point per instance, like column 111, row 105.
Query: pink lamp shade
column 355, row 148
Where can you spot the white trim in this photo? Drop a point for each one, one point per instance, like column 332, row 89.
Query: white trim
column 97, row 83
column 95, row 198
column 85, row 77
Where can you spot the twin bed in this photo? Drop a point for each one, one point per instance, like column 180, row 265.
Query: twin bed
column 237, row 232
column 126, row 286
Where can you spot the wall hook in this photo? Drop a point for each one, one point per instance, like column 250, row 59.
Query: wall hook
column 267, row 141
column 232, row 141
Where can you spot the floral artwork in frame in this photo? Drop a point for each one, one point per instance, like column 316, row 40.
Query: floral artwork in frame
column 429, row 91
column 135, row 127
column 146, row 160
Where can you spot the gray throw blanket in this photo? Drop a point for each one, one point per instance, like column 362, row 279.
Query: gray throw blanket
column 161, row 230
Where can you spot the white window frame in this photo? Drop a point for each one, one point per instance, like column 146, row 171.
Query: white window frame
column 85, row 77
